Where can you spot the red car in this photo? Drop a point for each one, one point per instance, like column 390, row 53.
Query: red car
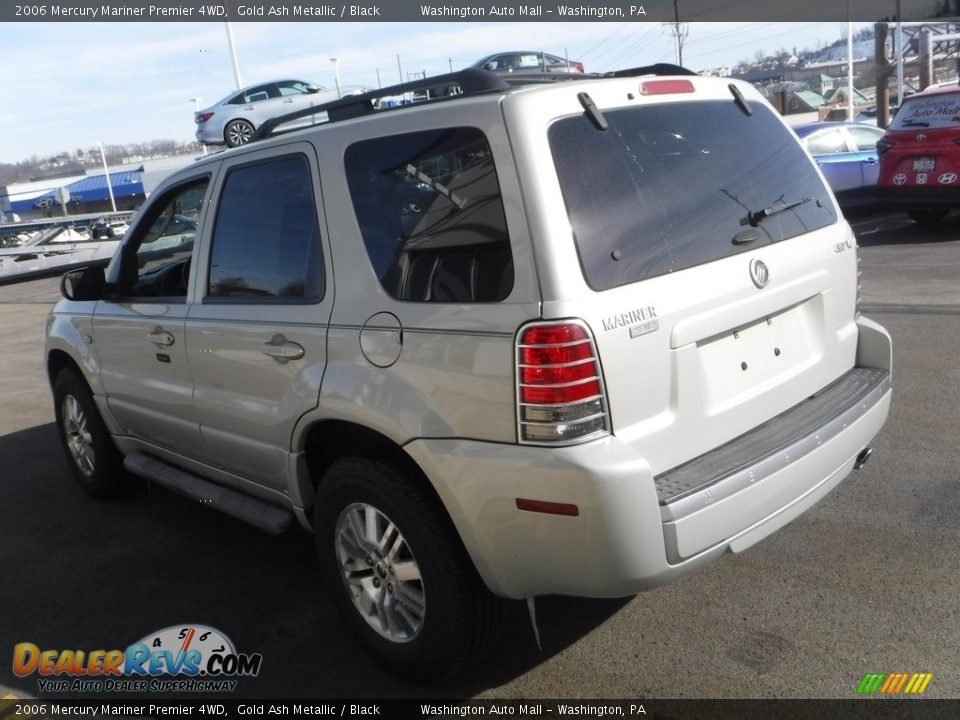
column 920, row 155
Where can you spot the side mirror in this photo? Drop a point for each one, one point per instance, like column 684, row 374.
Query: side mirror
column 312, row 89
column 84, row 284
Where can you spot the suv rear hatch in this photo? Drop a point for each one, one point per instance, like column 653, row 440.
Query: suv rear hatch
column 707, row 256
column 921, row 149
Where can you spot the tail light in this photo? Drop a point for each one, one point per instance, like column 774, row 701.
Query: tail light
column 883, row 145
column 578, row 67
column 202, row 118
column 560, row 394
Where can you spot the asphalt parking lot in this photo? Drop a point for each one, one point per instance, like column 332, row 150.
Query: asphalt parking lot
column 866, row 581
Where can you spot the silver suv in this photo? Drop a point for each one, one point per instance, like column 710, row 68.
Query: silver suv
column 576, row 337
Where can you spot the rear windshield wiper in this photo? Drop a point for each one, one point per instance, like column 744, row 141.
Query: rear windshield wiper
column 755, row 217
column 915, row 123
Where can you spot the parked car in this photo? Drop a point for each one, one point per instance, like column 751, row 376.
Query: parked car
column 575, row 338
column 233, row 120
column 920, row 155
column 846, row 153
column 528, row 61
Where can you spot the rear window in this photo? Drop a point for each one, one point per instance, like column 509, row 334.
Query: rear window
column 936, row 111
column 671, row 186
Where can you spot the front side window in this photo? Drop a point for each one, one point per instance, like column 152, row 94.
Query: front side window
column 266, row 240
column 429, row 208
column 156, row 262
column 673, row 185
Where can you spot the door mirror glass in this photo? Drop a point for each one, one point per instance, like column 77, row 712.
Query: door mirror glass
column 83, row 284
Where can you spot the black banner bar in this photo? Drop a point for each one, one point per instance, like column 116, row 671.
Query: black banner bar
column 471, row 11
column 233, row 709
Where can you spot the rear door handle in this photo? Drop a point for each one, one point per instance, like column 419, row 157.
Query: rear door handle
column 280, row 347
column 159, row 336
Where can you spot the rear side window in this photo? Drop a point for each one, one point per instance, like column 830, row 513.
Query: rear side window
column 429, row 208
column 865, row 137
column 936, row 111
column 266, row 241
column 670, row 186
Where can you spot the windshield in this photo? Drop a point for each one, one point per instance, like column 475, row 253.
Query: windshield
column 671, row 186
column 936, row 111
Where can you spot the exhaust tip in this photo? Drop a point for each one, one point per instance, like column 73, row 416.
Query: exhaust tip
column 862, row 458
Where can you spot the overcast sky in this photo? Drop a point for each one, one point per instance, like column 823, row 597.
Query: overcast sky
column 70, row 85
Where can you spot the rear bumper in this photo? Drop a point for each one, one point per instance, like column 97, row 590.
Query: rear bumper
column 626, row 538
column 918, row 198
column 209, row 135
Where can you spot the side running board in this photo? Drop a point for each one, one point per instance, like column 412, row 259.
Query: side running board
column 267, row 517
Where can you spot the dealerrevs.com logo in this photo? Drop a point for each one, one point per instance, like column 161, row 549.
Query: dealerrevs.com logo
column 181, row 658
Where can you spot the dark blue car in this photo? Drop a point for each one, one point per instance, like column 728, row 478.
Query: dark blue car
column 846, row 153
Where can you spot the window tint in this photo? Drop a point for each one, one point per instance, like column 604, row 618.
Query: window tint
column 827, row 142
column 865, row 138
column 266, row 241
column 156, row 262
column 429, row 209
column 669, row 186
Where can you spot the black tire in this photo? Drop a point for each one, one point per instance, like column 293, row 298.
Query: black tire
column 461, row 618
column 93, row 458
column 928, row 216
column 237, row 132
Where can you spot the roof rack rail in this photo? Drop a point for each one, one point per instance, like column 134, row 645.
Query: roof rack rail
column 533, row 78
column 470, row 81
column 655, row 69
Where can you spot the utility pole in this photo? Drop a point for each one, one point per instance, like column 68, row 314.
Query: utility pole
column 882, row 72
column 850, row 111
column 680, row 31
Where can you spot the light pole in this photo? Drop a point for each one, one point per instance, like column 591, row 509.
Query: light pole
column 233, row 55
column 196, row 109
column 336, row 74
column 106, row 176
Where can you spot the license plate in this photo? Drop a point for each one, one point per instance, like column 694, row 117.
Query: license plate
column 924, row 164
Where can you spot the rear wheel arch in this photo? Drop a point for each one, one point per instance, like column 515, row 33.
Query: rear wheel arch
column 355, row 469
column 328, row 441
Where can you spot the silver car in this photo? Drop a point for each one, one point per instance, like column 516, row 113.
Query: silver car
column 528, row 61
column 233, row 120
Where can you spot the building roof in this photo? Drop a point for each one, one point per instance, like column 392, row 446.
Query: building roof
column 92, row 188
column 858, row 97
column 810, row 98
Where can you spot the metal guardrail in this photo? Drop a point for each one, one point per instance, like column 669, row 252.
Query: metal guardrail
column 74, row 221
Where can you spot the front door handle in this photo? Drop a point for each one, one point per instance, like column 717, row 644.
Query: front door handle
column 281, row 348
column 159, row 336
